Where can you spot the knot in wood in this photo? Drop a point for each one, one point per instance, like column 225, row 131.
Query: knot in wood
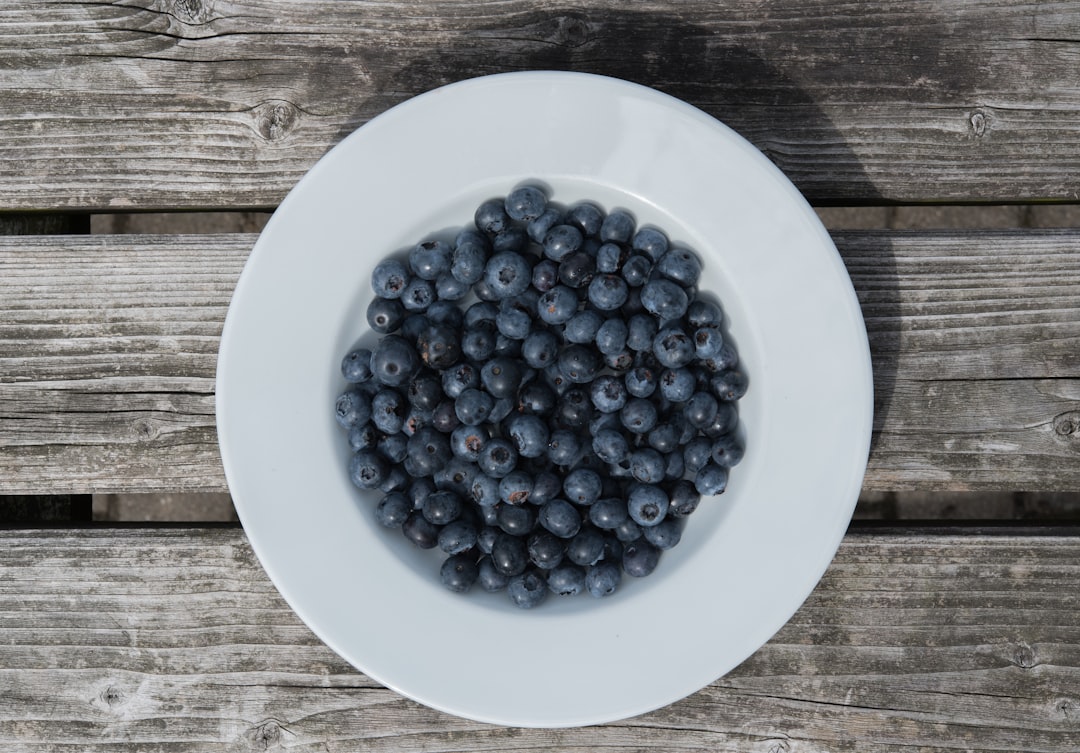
column 274, row 120
column 145, row 429
column 1024, row 656
column 113, row 696
column 571, row 31
column 1067, row 424
column 265, row 734
column 191, row 11
column 978, row 123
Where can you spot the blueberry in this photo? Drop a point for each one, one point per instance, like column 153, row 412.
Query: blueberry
column 577, row 270
column 385, row 315
column 727, row 418
column 610, row 446
column 664, row 299
column 501, row 377
column 420, row 531
column 467, row 262
column 574, row 410
column 430, row 259
column 419, row 490
column 708, row 340
column 394, row 447
column 677, row 385
column 478, row 343
column 545, row 275
column 389, row 278
column 585, row 217
column 546, row 486
column 545, row 549
column 710, row 480
column 611, row 337
column 507, row 274
column 458, row 536
column 356, row 366
column 702, row 313
column 627, row 531
column 497, row 458
column 586, row 547
column 609, row 258
column 417, row 295
column 485, row 491
column 561, row 241
column 675, row 467
column 442, row 507
column 459, row 572
column 394, row 361
column 608, row 292
column 726, row 359
column 481, row 312
column 640, row 558
column 684, row 499
column 393, row 510
column 514, row 320
column 525, row 203
column 467, row 441
column 540, row 348
column 509, row 555
column 640, row 331
column 425, row 392
column 536, row 398
column 529, row 434
column 473, row 406
column 564, row 447
column 415, row 420
column 352, row 408
column 566, row 580
column 490, row 579
column 608, row 513
column 729, row 385
column 508, row 347
column 461, row 377
column 367, row 469
column 602, row 579
column 638, row 416
column 515, row 487
column 438, row 346
column 414, row 324
column 664, row 438
column 701, row 409
column 583, row 326
column 447, row 314
column 680, row 265
column 539, row 227
column 727, row 451
column 651, row 242
column 513, row 238
column 516, row 520
column 608, row 393
column 647, row 504
column 579, row 363
column 641, row 381
column 636, row 270
column 363, row 437
column 647, row 466
column 673, row 348
column 582, row 486
column 558, row 305
column 559, row 518
column 617, row 227
column 430, row 449
column 491, row 217
column 527, row 589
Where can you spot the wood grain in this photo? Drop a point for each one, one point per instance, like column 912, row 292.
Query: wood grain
column 173, row 104
column 173, row 639
column 108, row 349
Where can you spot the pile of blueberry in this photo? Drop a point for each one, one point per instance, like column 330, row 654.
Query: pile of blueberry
column 555, row 433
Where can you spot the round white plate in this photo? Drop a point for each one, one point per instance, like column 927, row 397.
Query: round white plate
column 748, row 558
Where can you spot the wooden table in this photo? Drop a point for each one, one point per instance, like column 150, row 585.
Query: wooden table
column 945, row 636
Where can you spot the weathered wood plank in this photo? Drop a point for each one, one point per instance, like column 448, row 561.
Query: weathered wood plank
column 108, row 348
column 202, row 103
column 173, row 639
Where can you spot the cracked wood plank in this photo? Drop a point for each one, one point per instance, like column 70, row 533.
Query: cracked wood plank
column 174, row 639
column 173, row 104
column 108, row 350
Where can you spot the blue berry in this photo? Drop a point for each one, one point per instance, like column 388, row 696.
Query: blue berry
column 425, row 391
column 385, row 315
column 627, row 531
column 527, row 589
column 394, row 361
column 677, row 385
column 448, row 289
column 680, row 265
column 458, row 536
column 356, row 366
column 545, row 549
column 640, row 558
column 467, row 263
column 420, row 531
column 608, row 513
column 727, row 451
column 363, row 437
column 586, row 547
column 577, row 270
column 491, row 217
column 582, row 486
column 673, row 347
column 708, row 340
column 710, row 480
column 727, row 418
column 647, row 466
column 558, row 305
column 729, row 385
column 610, row 446
column 579, row 363
column 394, row 447
column 429, row 449
column 467, row 441
column 501, row 377
column 647, row 504
column 701, row 409
column 609, row 258
column 664, row 439
column 393, row 510
column 513, row 238
column 417, row 295
column 438, row 346
column 507, row 274
column 529, row 434
column 602, row 579
column 564, row 447
column 473, row 406
column 608, row 393
column 516, row 520
column 546, row 486
column 430, row 259
column 515, row 487
column 561, row 241
column 585, row 217
column 490, row 579
column 684, row 499
column 352, row 408
column 640, row 332
column 611, row 337
column 367, row 469
column 607, row 292
column 497, row 458
column 618, row 227
column 676, row 465
column 636, row 271
column 703, row 313
column 582, row 327
column 525, row 203
column 389, row 278
column 638, row 415
column 461, row 377
column 539, row 227
column 459, row 572
column 574, row 410
column 545, row 275
column 442, row 507
column 540, row 348
column 480, row 312
column 566, row 580
column 485, row 491
column 650, row 242
column 478, row 343
column 665, row 534
column 664, row 299
column 536, row 398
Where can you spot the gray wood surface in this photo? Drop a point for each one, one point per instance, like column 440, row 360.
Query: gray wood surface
column 108, row 349
column 174, row 639
column 208, row 103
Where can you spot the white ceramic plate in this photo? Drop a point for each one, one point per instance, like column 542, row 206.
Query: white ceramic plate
column 748, row 558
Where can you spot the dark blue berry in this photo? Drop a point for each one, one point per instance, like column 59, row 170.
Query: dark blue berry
column 539, row 228
column 459, row 572
column 461, row 377
column 545, row 549
column 527, row 589
column 516, row 520
column 529, row 434
column 647, row 504
column 420, row 531
column 430, row 259
column 418, row 295
column 677, row 385
column 579, row 363
column 641, row 330
column 566, row 580
column 513, row 238
column 602, row 579
column 540, row 349
column 608, row 513
column 478, row 343
column 727, row 418
column 710, row 480
column 684, row 499
column 466, row 442
column 611, row 337
column 618, row 227
column 394, row 447
column 561, row 241
column 525, row 203
column 442, row 507
column 638, row 415
column 393, row 510
column 577, row 270
column 650, row 242
column 473, row 406
column 729, row 385
column 701, row 409
column 664, row 299
column 356, row 366
column 490, row 579
column 564, row 447
column 583, row 326
column 536, row 398
column 607, row 292
column 586, row 547
column 673, row 348
column 640, row 558
column 363, row 437
column 485, row 490
column 582, row 486
column 546, row 486
column 610, row 446
column 727, row 451
column 636, row 271
column 680, row 265
column 609, row 258
column 507, row 274
column 352, row 408
column 586, row 217
column 497, row 458
column 367, row 469
column 608, row 393
column 394, row 361
column 389, row 278
column 467, row 263
column 438, row 346
column 385, row 315
column 647, row 466
column 557, row 306
column 664, row 439
column 491, row 217
column 515, row 487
